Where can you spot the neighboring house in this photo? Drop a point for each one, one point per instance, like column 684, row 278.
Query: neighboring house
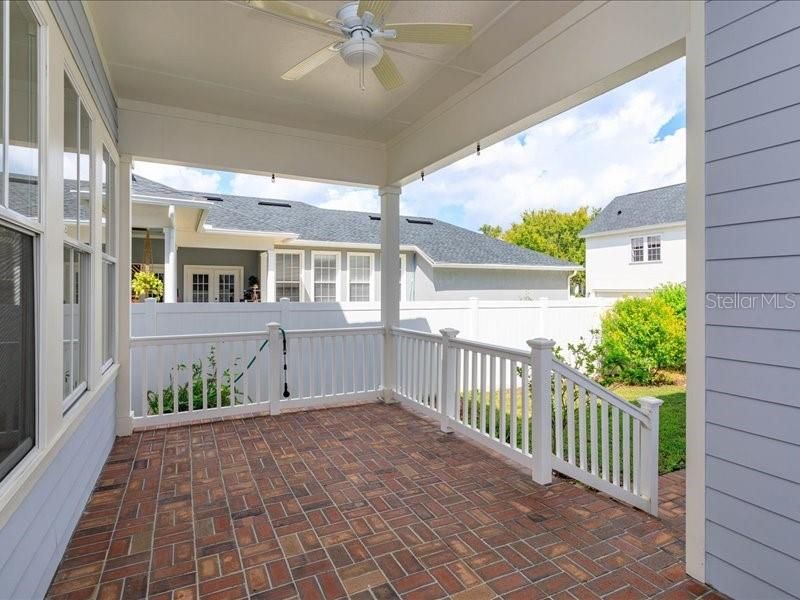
column 637, row 243
column 215, row 243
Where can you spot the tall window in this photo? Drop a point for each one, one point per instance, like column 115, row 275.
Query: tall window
column 326, row 272
column 359, row 277
column 21, row 137
column 19, row 229
column 653, row 247
column 17, row 347
column 637, row 249
column 108, row 242
column 288, row 271
column 78, row 178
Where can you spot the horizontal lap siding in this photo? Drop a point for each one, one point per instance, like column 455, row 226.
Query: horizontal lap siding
column 753, row 305
column 34, row 538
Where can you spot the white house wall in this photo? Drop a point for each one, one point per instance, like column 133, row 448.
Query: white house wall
column 610, row 272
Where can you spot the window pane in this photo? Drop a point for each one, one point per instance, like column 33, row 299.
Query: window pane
column 325, row 278
column 109, row 323
column 637, row 249
column 108, row 202
column 359, row 273
column 76, row 269
column 70, row 159
column 68, row 373
column 23, row 113
column 84, row 172
column 17, row 348
column 287, row 276
column 288, row 290
column 654, row 247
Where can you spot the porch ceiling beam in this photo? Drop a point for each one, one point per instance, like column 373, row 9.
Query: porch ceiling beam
column 175, row 135
column 592, row 49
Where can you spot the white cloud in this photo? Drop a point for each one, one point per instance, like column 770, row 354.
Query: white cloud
column 180, row 178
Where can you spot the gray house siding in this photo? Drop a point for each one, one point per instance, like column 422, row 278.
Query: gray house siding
column 34, row 538
column 753, row 249
column 488, row 284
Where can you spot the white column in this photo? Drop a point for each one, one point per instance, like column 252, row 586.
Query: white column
column 270, row 293
column 649, row 451
column 541, row 367
column 124, row 413
column 170, row 261
column 262, row 275
column 390, row 281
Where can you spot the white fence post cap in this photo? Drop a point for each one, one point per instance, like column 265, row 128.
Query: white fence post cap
column 273, row 325
column 541, row 343
column 648, row 403
column 449, row 332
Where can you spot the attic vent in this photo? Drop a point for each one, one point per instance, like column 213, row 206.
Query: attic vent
column 619, row 212
column 419, row 221
column 374, row 218
column 214, row 198
column 278, row 204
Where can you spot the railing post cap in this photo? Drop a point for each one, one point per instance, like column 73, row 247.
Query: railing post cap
column 541, row 344
column 449, row 332
column 649, row 402
column 273, row 325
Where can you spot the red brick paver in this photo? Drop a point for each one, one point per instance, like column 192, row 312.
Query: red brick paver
column 361, row 502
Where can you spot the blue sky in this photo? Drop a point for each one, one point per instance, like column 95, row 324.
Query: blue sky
column 631, row 138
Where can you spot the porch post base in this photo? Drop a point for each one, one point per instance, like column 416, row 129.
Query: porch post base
column 387, row 396
column 124, row 425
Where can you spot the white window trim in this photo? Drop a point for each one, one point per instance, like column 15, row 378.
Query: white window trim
column 644, row 250
column 313, row 278
column 647, row 248
column 189, row 270
column 403, row 297
column 371, row 275
column 303, row 273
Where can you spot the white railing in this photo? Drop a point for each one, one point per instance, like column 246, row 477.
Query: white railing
column 183, row 378
column 534, row 410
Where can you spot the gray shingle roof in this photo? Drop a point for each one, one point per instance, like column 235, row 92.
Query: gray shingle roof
column 640, row 209
column 147, row 187
column 439, row 241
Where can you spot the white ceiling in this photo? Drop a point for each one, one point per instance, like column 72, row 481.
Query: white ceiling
column 225, row 58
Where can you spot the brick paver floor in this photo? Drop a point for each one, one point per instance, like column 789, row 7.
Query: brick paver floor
column 363, row 502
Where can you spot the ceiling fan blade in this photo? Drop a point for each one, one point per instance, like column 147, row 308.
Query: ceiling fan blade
column 282, row 8
column 376, row 7
column 387, row 73
column 304, row 67
column 431, row 33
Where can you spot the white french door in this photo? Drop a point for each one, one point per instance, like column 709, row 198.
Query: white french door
column 212, row 284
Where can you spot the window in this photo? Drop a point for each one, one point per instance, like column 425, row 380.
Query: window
column 77, row 167
column 653, row 247
column 108, row 203
column 326, row 273
column 288, row 272
column 403, row 297
column 22, row 109
column 637, row 249
column 109, row 268
column 76, row 274
column 17, row 347
column 109, row 322
column 359, row 277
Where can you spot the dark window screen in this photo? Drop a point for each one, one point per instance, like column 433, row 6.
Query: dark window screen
column 17, row 351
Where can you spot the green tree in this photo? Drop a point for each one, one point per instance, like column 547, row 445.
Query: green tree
column 494, row 231
column 554, row 233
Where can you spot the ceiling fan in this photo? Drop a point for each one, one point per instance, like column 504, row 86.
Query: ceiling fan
column 361, row 24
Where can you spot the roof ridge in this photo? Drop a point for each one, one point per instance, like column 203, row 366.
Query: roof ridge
column 655, row 189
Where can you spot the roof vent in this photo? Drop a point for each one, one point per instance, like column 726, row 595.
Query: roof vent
column 214, row 198
column 374, row 218
column 619, row 212
column 419, row 221
column 278, row 204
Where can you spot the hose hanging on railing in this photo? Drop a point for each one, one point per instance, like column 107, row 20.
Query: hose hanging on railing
column 286, row 392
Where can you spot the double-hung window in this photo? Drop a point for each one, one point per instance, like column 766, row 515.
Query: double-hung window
column 326, row 274
column 653, row 248
column 359, row 277
column 20, row 228
column 78, row 179
column 637, row 249
column 109, row 269
column 288, row 275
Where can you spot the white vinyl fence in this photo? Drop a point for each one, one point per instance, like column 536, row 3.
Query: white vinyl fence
column 503, row 323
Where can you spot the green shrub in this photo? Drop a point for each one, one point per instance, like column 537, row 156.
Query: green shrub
column 640, row 337
column 674, row 294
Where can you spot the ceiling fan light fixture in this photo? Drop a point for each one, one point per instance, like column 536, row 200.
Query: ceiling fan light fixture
column 361, row 51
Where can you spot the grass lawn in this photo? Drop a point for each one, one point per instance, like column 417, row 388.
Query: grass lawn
column 672, row 421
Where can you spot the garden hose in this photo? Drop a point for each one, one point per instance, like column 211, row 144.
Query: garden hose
column 286, row 392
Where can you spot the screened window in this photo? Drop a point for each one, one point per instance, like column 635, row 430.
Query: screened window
column 76, row 297
column 637, row 250
column 109, row 322
column 17, row 347
column 22, row 134
column 77, row 167
column 653, row 247
column 359, row 269
column 108, row 203
column 288, row 269
column 325, row 274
